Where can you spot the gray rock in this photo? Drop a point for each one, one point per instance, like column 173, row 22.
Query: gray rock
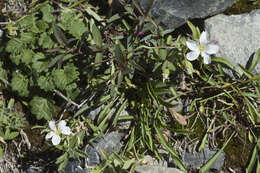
column 31, row 170
column 156, row 169
column 74, row 166
column 237, row 35
column 94, row 113
column 174, row 13
column 110, row 143
column 196, row 160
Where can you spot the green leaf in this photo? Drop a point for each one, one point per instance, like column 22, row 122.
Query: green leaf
column 59, row 35
column 93, row 14
column 39, row 63
column 3, row 72
column 1, row 152
column 28, row 38
column 20, row 84
column 203, row 143
column 245, row 71
column 127, row 164
column 255, row 60
column 62, row 158
column 173, row 153
column 114, row 18
column 77, row 28
column 195, row 31
column 64, row 78
column 131, row 140
column 62, row 165
column 225, row 62
column 252, row 161
column 119, row 112
column 96, row 35
column 46, row 83
column 27, row 56
column 47, row 11
column 10, row 135
column 45, row 41
column 42, row 108
column 14, row 45
column 27, row 21
column 210, row 163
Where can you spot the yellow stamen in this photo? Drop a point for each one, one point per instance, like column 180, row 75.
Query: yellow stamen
column 202, row 48
column 58, row 132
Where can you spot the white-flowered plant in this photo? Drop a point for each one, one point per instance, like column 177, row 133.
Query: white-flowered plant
column 55, row 132
column 205, row 48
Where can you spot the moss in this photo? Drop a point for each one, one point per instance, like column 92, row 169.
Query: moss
column 243, row 6
column 237, row 154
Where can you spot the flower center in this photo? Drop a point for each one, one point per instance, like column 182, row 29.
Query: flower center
column 202, row 48
column 58, row 132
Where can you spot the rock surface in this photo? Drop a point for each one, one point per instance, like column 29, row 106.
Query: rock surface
column 109, row 143
column 196, row 160
column 174, row 13
column 237, row 35
column 156, row 169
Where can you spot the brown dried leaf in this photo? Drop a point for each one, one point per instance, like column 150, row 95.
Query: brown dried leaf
column 178, row 117
column 2, row 140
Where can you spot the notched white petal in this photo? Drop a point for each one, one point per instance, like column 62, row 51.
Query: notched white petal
column 212, row 49
column 55, row 139
column 204, row 38
column 192, row 45
column 206, row 58
column 65, row 131
column 191, row 56
column 52, row 125
column 49, row 135
column 61, row 124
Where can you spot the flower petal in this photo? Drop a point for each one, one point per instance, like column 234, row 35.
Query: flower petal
column 65, row 131
column 61, row 124
column 212, row 49
column 192, row 45
column 49, row 135
column 191, row 56
column 55, row 139
column 206, row 58
column 204, row 38
column 52, row 125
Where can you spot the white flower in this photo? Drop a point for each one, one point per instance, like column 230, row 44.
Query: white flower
column 55, row 133
column 1, row 32
column 204, row 47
